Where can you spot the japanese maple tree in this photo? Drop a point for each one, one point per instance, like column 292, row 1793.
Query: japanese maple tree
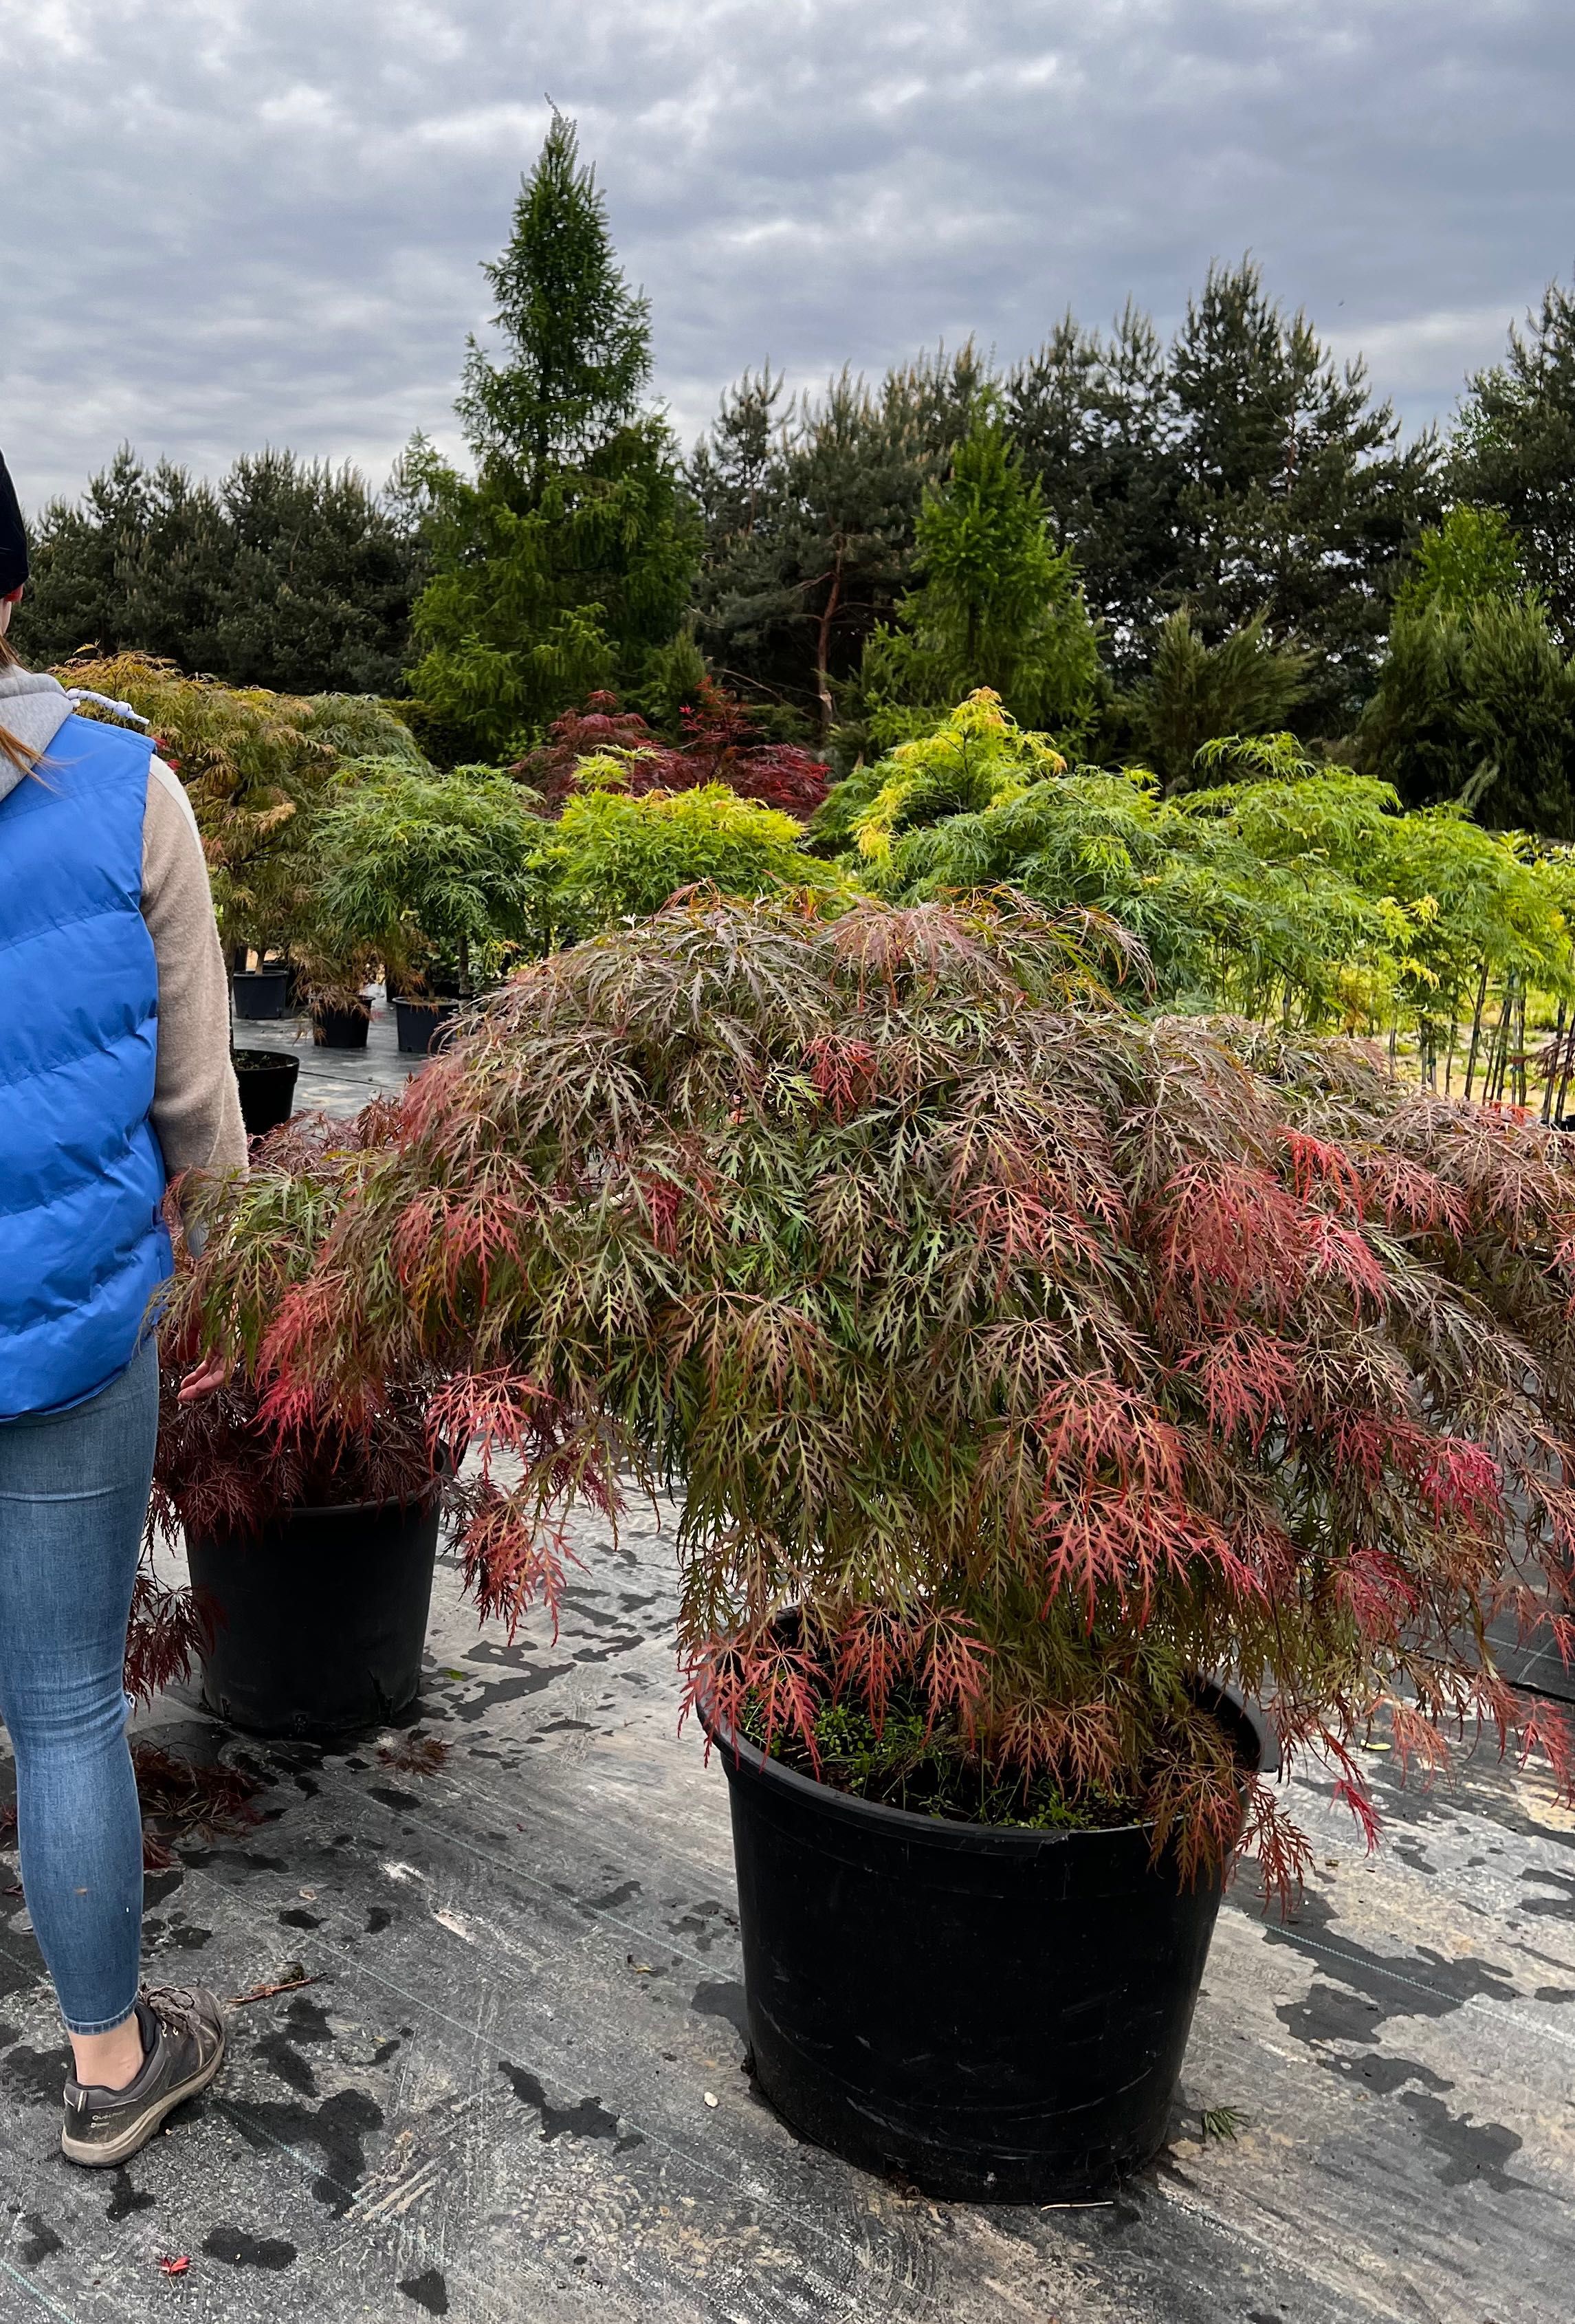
column 1007, row 1350
column 721, row 744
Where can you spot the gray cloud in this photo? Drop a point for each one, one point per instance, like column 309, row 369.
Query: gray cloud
column 226, row 222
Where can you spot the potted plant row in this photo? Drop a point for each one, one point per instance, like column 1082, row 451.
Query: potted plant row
column 1043, row 1385
column 431, row 873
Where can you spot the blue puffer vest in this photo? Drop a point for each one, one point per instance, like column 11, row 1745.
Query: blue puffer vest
column 83, row 1247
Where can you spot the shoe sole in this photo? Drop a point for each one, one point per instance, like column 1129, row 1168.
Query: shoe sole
column 96, row 2156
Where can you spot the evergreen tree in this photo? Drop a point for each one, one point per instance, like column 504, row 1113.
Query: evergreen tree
column 1476, row 699
column 1196, row 693
column 1299, row 501
column 288, row 574
column 1240, row 472
column 997, row 606
column 140, row 564
column 320, row 581
column 565, row 564
column 811, row 511
column 1513, row 448
column 1093, row 423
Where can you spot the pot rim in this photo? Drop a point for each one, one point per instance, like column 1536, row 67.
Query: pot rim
column 738, row 1752
column 421, row 1500
column 276, row 1061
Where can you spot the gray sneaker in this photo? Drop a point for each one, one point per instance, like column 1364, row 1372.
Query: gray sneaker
column 183, row 2047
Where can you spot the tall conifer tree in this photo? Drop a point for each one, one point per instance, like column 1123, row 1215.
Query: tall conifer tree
column 1514, row 450
column 565, row 564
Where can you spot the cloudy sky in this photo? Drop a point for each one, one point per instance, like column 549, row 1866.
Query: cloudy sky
column 230, row 222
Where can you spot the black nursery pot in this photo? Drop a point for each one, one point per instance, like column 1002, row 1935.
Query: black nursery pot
column 266, row 1080
column 992, row 2015
column 340, row 1029
column 321, row 1621
column 422, row 1024
column 260, row 992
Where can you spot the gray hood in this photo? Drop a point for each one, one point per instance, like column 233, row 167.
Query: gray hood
column 33, row 707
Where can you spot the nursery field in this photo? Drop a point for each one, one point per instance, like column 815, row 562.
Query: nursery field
column 506, row 2077
column 515, row 2087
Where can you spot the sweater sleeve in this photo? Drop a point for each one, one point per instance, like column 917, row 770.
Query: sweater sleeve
column 197, row 1107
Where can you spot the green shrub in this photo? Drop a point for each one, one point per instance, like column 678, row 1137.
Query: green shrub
column 612, row 857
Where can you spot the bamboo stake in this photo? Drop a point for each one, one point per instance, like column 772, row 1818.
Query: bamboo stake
column 1490, row 1054
column 1520, row 1082
column 1564, row 1078
column 1553, row 1067
column 1476, row 1028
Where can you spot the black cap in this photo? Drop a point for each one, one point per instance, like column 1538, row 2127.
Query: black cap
column 13, row 537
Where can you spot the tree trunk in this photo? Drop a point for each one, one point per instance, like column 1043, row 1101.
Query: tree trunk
column 823, row 650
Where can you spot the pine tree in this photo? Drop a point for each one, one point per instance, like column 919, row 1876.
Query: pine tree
column 1239, row 473
column 1513, row 448
column 139, row 564
column 1476, row 699
column 565, row 564
column 288, row 574
column 1299, row 501
column 812, row 511
column 997, row 606
column 1093, row 423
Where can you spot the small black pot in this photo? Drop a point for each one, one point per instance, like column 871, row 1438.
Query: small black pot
column 423, row 1024
column 340, row 1029
column 259, row 991
column 266, row 1080
column 321, row 1622
column 993, row 2015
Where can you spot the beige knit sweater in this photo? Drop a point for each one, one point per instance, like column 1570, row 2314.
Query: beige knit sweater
column 196, row 1109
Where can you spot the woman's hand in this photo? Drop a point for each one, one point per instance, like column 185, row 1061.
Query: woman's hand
column 202, row 1381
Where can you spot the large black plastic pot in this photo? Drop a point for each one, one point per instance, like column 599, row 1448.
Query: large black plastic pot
column 260, row 992
column 340, row 1029
column 423, row 1024
column 989, row 2014
column 266, row 1080
column 321, row 1621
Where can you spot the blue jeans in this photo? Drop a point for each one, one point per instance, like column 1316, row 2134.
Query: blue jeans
column 73, row 1495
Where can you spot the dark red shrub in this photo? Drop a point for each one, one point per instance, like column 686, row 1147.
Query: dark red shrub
column 720, row 744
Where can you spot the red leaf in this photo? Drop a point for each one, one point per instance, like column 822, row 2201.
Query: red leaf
column 1349, row 1792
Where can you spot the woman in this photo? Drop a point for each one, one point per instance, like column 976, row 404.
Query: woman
column 115, row 1076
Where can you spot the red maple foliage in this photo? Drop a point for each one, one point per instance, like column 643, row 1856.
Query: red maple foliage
column 720, row 744
column 1042, row 1362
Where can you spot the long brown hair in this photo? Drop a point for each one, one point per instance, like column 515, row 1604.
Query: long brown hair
column 16, row 751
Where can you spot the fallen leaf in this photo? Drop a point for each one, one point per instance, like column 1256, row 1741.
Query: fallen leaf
column 176, row 2266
